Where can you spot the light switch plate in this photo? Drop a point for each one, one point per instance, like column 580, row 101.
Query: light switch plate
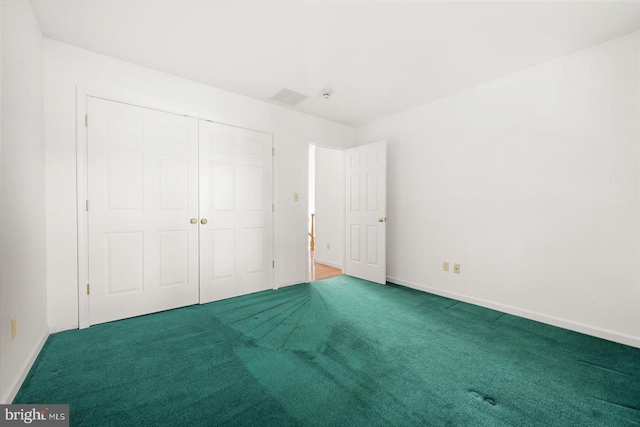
column 456, row 268
column 445, row 266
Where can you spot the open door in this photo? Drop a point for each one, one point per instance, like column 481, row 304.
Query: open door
column 366, row 205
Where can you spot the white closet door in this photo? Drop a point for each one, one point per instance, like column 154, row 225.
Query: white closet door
column 236, row 238
column 366, row 230
column 142, row 193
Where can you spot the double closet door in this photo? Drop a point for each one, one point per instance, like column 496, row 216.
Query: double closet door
column 179, row 211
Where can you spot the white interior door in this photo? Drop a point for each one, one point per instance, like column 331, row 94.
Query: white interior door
column 366, row 205
column 142, row 193
column 236, row 237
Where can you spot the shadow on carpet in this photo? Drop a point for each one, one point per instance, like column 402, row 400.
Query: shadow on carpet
column 341, row 351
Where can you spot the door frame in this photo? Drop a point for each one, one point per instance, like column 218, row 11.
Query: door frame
column 312, row 143
column 82, row 93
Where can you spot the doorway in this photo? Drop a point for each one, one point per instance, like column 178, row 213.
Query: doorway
column 326, row 212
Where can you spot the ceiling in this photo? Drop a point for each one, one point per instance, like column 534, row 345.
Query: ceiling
column 379, row 58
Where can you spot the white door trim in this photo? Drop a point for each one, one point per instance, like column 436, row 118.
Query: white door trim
column 81, row 192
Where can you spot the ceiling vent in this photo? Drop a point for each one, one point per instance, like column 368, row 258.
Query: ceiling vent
column 289, row 97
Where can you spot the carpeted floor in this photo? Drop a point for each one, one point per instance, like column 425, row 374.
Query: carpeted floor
column 337, row 352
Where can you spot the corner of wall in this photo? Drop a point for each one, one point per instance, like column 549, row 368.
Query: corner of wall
column 23, row 294
column 23, row 370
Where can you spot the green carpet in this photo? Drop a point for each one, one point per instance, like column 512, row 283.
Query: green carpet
column 337, row 352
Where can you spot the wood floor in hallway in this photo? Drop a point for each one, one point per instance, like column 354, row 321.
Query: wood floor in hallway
column 321, row 271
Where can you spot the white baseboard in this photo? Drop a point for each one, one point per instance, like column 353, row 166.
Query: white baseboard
column 330, row 264
column 287, row 284
column 550, row 320
column 24, row 370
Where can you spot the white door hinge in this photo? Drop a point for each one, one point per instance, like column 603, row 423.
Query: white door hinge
column 86, row 205
column 273, row 264
column 273, row 151
column 86, row 120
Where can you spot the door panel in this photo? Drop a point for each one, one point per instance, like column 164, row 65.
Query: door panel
column 236, row 243
column 143, row 190
column 366, row 212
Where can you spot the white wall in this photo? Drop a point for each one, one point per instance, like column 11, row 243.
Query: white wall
column 1, row 31
column 330, row 190
column 22, row 196
column 531, row 182
column 67, row 67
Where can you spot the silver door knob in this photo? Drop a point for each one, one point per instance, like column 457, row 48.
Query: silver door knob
column 193, row 221
column 203, row 221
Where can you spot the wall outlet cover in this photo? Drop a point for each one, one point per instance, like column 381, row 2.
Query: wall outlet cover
column 456, row 268
column 445, row 266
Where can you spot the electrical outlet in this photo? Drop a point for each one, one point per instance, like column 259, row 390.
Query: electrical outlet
column 14, row 328
column 445, row 266
column 456, row 268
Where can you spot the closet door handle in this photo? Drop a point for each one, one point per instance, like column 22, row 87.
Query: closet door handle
column 193, row 221
column 203, row 221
